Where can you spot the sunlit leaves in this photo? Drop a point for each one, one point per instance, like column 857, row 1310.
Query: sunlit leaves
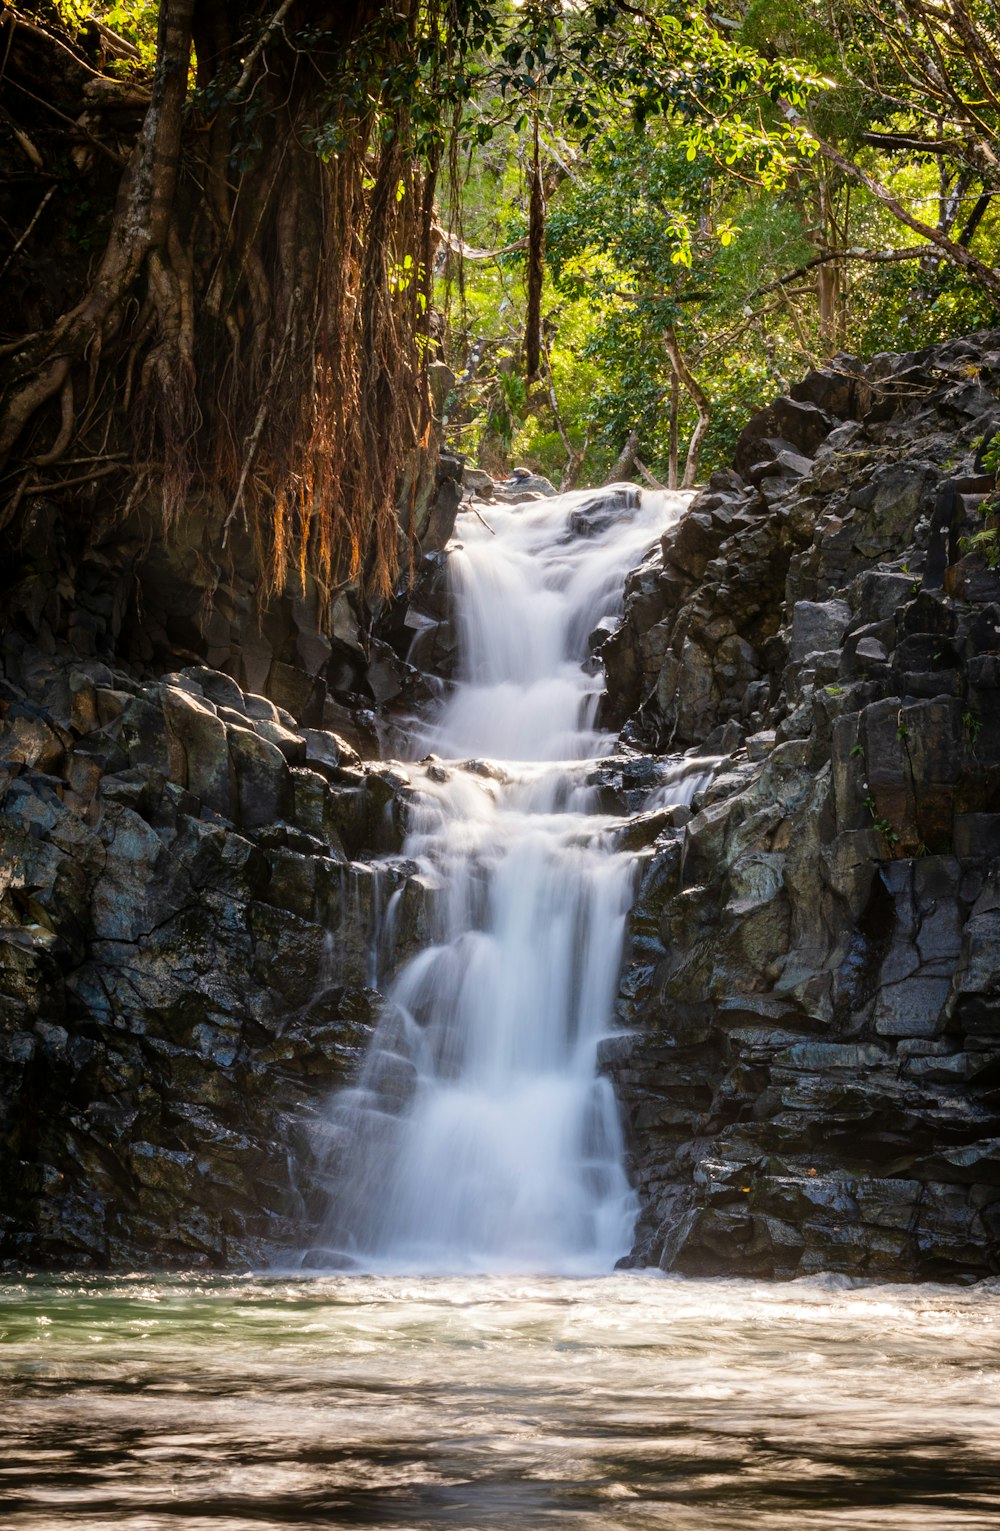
column 133, row 20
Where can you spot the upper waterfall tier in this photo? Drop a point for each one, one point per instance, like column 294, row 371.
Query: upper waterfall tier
column 530, row 584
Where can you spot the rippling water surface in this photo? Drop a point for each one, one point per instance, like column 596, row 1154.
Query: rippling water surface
column 631, row 1401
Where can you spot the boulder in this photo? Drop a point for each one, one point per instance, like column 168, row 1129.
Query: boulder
column 263, row 786
column 200, row 738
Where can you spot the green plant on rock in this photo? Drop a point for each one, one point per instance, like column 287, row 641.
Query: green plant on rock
column 991, row 456
column 985, row 542
column 884, row 826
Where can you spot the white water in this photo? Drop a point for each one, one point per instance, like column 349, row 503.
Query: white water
column 480, row 1136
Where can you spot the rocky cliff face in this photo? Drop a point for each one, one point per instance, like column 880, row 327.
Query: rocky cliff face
column 193, row 866
column 812, row 1061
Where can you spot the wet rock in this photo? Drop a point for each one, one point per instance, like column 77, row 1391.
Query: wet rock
column 811, row 1000
column 604, row 510
column 522, row 485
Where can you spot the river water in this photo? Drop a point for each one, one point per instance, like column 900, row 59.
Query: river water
column 482, row 1365
column 632, row 1401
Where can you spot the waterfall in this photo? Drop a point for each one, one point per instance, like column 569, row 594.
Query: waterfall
column 480, row 1135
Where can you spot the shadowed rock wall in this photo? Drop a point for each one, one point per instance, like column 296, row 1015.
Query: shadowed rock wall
column 194, row 860
column 811, row 1071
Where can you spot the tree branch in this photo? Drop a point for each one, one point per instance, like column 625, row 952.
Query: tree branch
column 876, row 257
column 914, row 142
column 985, row 276
column 261, row 43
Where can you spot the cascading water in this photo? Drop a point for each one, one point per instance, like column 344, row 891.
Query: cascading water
column 480, row 1135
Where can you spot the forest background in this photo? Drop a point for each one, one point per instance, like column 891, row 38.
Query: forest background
column 238, row 238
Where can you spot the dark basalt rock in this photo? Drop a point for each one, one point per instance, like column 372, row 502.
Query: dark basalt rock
column 810, row 1062
column 185, row 943
column 197, row 842
column 184, row 957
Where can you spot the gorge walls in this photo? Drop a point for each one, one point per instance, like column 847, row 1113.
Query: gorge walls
column 198, row 841
column 811, row 1070
column 193, row 862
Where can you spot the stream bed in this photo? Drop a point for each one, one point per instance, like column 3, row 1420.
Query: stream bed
column 633, row 1401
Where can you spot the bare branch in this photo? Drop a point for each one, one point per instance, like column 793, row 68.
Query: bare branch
column 27, row 233
column 875, row 257
column 261, row 43
column 956, row 254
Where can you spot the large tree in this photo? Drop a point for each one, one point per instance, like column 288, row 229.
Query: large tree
column 251, row 329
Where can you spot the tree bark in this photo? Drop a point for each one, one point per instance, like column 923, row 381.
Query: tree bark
column 253, row 320
column 140, row 223
column 701, row 402
column 622, row 469
column 674, row 446
column 536, row 266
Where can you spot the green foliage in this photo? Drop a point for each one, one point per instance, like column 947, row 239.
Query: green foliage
column 680, row 197
column 510, row 395
column 985, row 542
column 133, row 20
column 679, row 194
column 991, row 456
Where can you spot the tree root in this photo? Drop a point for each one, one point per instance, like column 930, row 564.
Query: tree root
column 65, row 436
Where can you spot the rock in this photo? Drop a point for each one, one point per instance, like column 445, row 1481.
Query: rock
column 217, row 687
column 838, row 908
column 480, row 483
column 603, row 510
column 201, row 739
column 26, row 737
column 292, row 689
column 817, row 626
column 292, row 745
column 521, row 485
column 262, row 781
column 329, row 749
column 803, row 425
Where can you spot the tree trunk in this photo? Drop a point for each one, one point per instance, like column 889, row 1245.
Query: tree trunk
column 701, row 402
column 536, row 266
column 252, row 326
column 622, row 469
column 675, row 409
column 828, row 274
